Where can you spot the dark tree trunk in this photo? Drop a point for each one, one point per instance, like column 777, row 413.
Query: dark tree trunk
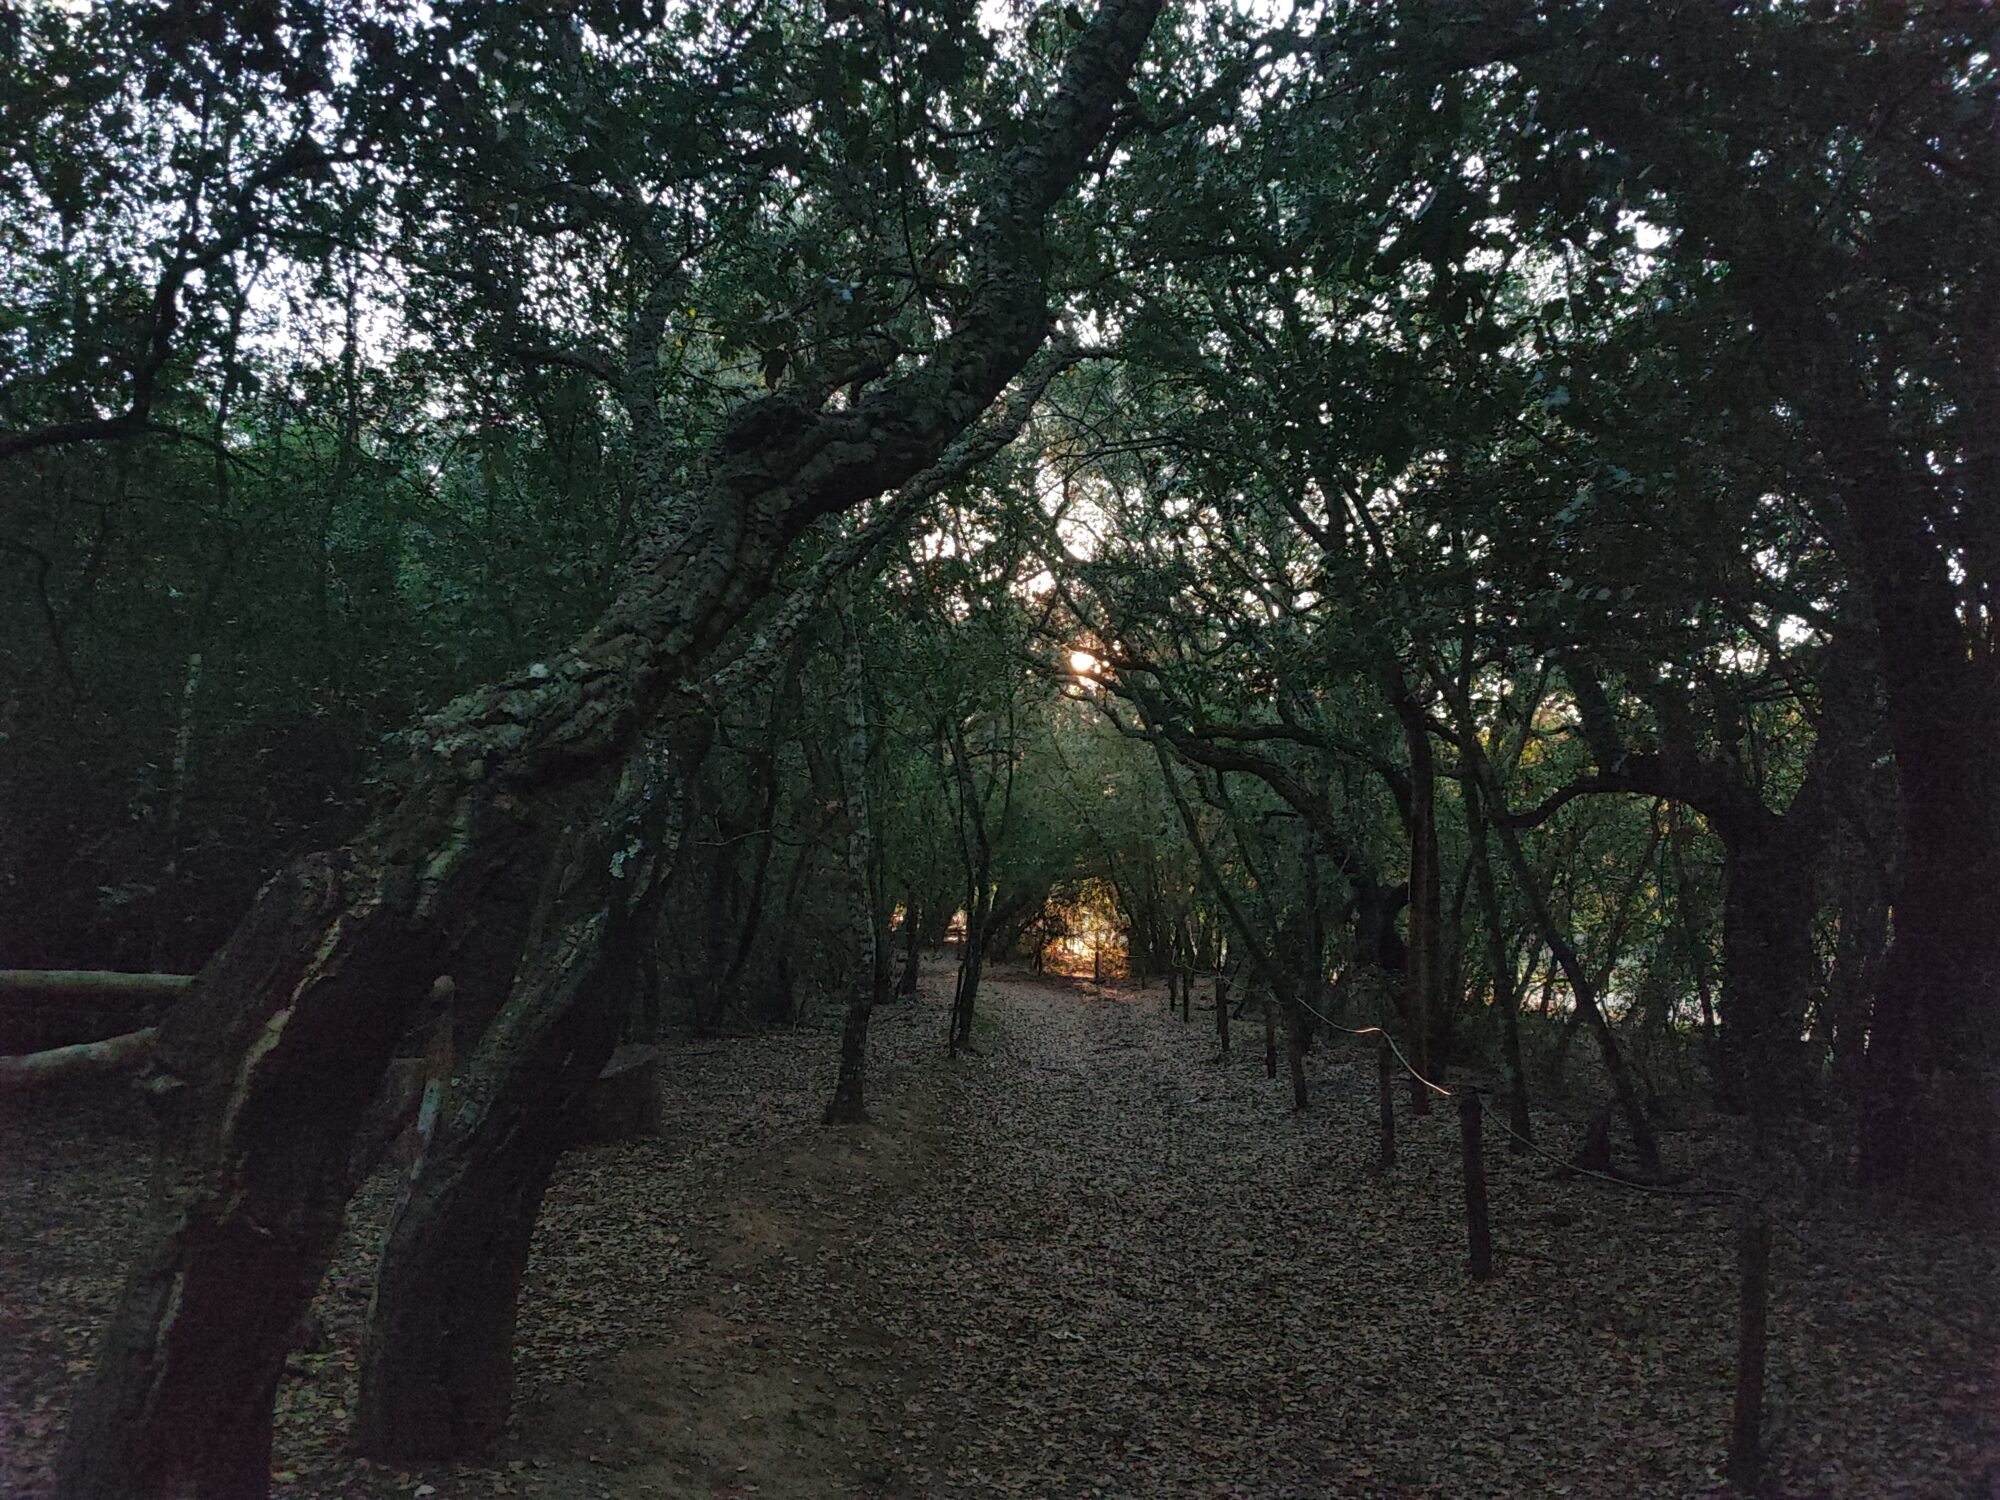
column 1863, row 914
column 1222, row 1008
column 438, row 1356
column 437, row 1372
column 906, row 986
column 1295, row 1055
column 1768, row 966
column 266, row 1069
column 971, row 964
column 849, row 1104
column 1425, row 1020
column 1931, row 1121
column 1506, row 992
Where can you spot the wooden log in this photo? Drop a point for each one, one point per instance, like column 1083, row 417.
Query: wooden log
column 85, row 1060
column 1745, row 1465
column 42, row 983
column 1478, row 1235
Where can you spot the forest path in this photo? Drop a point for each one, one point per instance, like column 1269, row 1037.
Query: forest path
column 1098, row 1261
column 1092, row 1261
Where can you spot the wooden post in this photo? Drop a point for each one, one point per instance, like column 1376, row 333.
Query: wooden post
column 1478, row 1237
column 1385, row 1076
column 1746, row 1460
column 1270, row 1037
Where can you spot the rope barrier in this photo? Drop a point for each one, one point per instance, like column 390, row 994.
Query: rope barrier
column 1736, row 1194
column 1441, row 1090
column 1436, row 1088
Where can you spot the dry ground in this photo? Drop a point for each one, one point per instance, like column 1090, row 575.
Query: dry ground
column 1091, row 1262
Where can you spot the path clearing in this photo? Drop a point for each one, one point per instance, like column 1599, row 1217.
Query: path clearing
column 1097, row 1262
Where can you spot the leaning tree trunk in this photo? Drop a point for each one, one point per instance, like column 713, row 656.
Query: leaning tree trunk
column 976, row 853
column 264, row 1073
column 438, row 1355
column 437, row 1371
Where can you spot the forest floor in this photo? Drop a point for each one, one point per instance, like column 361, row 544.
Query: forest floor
column 1091, row 1261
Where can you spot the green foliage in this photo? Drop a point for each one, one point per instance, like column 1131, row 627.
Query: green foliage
column 1492, row 374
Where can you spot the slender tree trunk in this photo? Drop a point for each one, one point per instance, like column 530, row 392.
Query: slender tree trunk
column 912, row 951
column 849, row 1103
column 1506, row 997
column 1691, row 935
column 1425, row 1020
column 1295, row 1055
column 1644, row 1142
column 1863, row 914
column 177, row 776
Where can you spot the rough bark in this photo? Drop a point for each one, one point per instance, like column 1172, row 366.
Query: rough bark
column 437, row 1357
column 265, row 1070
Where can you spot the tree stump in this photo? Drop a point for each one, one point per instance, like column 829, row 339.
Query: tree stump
column 624, row 1103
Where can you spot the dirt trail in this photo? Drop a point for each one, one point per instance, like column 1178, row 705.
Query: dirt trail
column 1092, row 1261
column 1097, row 1261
